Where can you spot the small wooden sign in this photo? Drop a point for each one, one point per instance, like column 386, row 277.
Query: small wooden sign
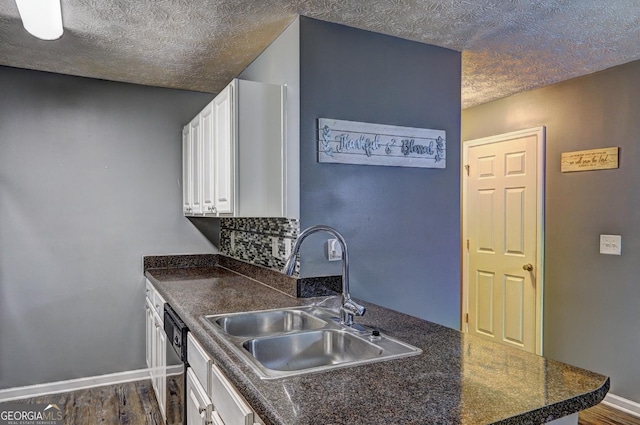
column 594, row 159
column 349, row 142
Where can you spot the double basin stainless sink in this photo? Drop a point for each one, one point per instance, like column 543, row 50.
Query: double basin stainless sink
column 300, row 340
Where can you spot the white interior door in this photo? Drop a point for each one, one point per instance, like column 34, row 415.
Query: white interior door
column 503, row 216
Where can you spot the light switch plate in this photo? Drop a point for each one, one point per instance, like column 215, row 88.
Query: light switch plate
column 611, row 244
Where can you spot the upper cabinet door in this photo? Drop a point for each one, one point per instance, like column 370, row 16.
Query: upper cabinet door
column 208, row 161
column 195, row 135
column 186, row 171
column 224, row 130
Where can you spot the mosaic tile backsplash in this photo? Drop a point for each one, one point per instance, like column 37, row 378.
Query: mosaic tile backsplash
column 250, row 239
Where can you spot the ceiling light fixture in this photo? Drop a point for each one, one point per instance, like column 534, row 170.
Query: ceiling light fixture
column 41, row 18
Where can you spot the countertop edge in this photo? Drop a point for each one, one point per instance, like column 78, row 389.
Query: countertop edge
column 546, row 414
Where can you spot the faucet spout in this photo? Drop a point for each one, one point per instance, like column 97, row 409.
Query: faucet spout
column 349, row 307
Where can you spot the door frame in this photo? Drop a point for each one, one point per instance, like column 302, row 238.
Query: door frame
column 540, row 133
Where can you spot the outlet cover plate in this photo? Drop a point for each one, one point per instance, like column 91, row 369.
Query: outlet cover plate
column 334, row 250
column 274, row 247
column 611, row 244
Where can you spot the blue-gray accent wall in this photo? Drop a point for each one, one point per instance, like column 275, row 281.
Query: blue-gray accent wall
column 402, row 225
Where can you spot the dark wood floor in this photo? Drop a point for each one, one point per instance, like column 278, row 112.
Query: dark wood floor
column 135, row 403
column 605, row 415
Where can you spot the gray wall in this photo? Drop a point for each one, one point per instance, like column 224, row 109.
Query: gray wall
column 592, row 301
column 89, row 182
column 401, row 224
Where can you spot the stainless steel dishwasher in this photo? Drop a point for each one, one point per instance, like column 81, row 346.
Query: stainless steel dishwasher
column 175, row 372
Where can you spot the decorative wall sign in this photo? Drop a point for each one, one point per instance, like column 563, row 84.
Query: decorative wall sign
column 594, row 159
column 349, row 142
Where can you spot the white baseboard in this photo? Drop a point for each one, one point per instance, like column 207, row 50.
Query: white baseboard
column 10, row 394
column 627, row 406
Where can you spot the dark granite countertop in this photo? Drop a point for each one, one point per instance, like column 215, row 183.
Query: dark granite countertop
column 458, row 379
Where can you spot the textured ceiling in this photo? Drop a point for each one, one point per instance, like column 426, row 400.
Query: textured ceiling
column 507, row 46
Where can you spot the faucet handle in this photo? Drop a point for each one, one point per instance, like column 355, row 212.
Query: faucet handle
column 354, row 308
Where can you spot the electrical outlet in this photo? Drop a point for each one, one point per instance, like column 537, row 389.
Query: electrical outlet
column 232, row 241
column 334, row 250
column 274, row 247
column 287, row 247
column 611, row 244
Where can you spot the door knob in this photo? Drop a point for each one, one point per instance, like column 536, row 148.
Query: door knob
column 528, row 267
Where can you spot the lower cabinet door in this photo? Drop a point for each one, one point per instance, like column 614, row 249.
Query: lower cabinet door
column 227, row 401
column 161, row 363
column 216, row 419
column 197, row 400
column 149, row 333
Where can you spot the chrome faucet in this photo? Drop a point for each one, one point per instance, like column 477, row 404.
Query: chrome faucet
column 349, row 307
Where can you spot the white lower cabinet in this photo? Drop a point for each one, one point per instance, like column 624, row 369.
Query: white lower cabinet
column 156, row 353
column 197, row 401
column 221, row 402
column 160, row 369
column 149, row 326
column 228, row 404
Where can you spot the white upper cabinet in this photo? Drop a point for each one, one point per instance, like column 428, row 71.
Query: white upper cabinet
column 261, row 140
column 192, row 167
column 195, row 134
column 233, row 154
column 208, row 160
column 187, row 185
column 224, row 142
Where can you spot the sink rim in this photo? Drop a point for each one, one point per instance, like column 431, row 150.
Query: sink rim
column 316, row 322
column 235, row 343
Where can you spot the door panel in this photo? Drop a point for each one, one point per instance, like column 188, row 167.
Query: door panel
column 485, row 213
column 486, row 167
column 514, row 221
column 514, row 309
column 484, row 310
